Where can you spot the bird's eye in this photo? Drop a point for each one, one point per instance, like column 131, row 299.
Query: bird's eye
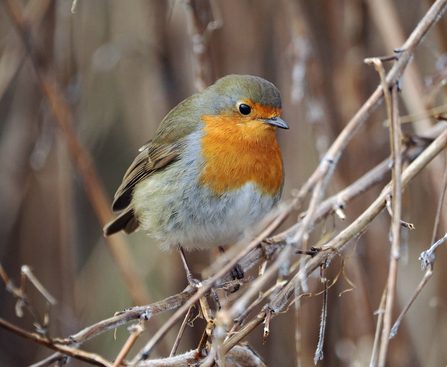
column 244, row 109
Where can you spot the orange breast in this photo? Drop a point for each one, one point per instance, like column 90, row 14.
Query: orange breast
column 237, row 153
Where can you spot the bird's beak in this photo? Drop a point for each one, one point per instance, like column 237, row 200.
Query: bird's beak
column 276, row 121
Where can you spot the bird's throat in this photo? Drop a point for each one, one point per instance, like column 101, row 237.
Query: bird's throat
column 238, row 153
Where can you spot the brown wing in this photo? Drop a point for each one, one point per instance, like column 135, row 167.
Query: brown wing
column 150, row 159
column 126, row 222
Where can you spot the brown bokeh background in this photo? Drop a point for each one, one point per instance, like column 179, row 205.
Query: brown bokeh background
column 121, row 66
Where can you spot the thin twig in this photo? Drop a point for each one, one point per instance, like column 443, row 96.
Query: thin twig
column 389, row 27
column 240, row 320
column 439, row 209
column 180, row 333
column 29, row 274
column 376, row 345
column 299, row 240
column 136, row 332
column 389, row 208
column 428, row 257
column 432, row 112
column 22, row 301
column 298, row 327
column 323, row 319
column 13, row 53
column 132, row 314
column 395, row 227
column 380, row 69
column 427, row 260
column 64, row 349
column 427, row 276
column 50, row 360
column 200, row 15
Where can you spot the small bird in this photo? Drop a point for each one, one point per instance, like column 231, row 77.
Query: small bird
column 213, row 169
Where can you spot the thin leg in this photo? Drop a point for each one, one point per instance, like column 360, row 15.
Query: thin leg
column 312, row 252
column 191, row 280
column 236, row 273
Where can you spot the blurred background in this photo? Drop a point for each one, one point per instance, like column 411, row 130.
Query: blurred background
column 120, row 67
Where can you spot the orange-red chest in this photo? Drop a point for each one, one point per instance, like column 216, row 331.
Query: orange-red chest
column 237, row 153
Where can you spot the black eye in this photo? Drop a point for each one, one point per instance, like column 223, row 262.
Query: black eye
column 244, row 109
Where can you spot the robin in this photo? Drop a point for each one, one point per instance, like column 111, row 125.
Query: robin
column 213, row 169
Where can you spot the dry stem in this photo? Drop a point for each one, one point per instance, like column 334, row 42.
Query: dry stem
column 395, row 226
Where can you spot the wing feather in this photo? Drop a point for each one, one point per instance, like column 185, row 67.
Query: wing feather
column 154, row 155
column 150, row 159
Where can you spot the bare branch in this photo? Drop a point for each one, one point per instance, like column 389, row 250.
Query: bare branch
column 180, row 333
column 428, row 257
column 323, row 321
column 64, row 349
column 203, row 19
column 136, row 332
column 395, row 226
column 418, row 290
column 54, row 358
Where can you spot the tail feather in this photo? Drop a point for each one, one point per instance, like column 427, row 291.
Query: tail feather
column 126, row 222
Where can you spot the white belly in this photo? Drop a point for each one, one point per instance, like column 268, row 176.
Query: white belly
column 191, row 216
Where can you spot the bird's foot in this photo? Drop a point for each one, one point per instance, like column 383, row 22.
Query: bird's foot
column 312, row 252
column 237, row 273
column 193, row 282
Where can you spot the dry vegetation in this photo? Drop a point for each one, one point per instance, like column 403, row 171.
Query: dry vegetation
column 363, row 199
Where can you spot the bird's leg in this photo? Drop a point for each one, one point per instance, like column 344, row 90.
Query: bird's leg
column 312, row 252
column 191, row 280
column 203, row 303
column 236, row 273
